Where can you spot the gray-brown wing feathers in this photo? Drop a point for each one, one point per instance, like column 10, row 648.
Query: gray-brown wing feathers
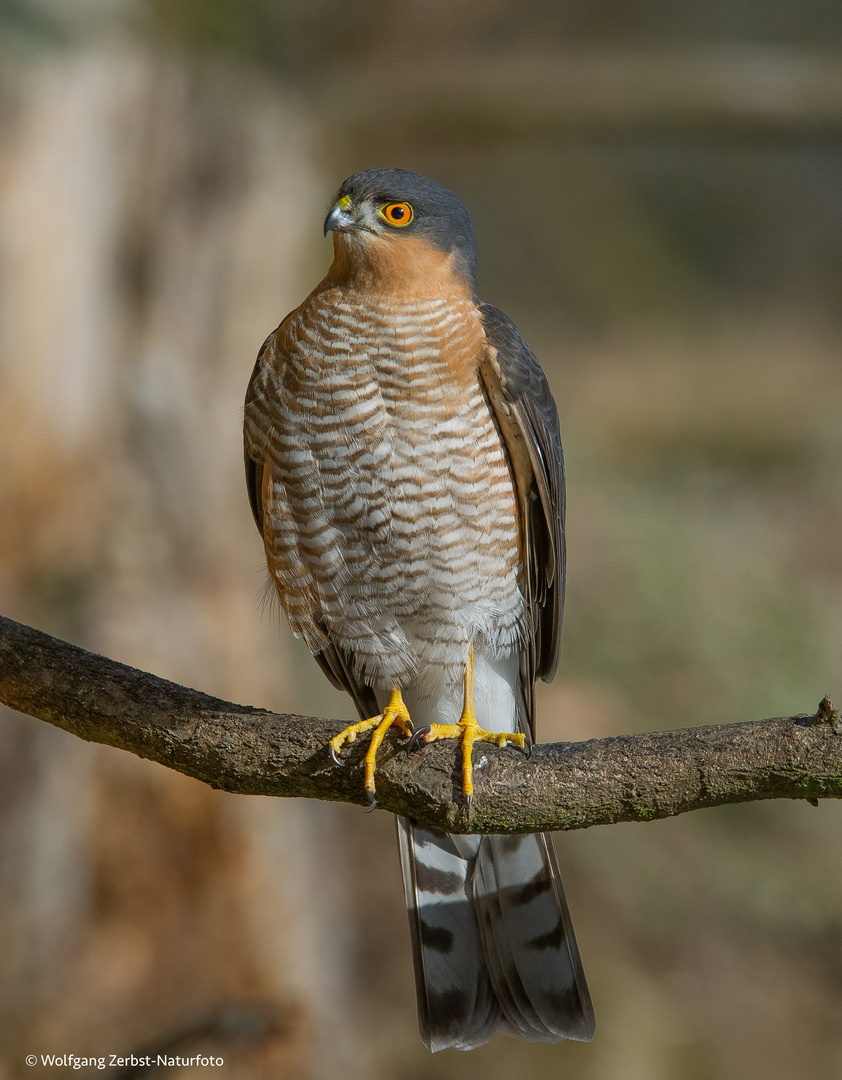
column 255, row 466
column 526, row 415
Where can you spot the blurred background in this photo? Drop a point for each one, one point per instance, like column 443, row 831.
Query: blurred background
column 657, row 189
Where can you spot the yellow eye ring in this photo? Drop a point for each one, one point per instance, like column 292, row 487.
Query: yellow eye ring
column 398, row 214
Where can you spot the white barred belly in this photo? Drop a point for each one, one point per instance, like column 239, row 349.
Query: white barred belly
column 390, row 515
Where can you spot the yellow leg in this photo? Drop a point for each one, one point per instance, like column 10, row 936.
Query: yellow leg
column 469, row 731
column 394, row 713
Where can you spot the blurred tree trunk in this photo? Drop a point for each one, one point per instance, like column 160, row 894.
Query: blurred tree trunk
column 151, row 233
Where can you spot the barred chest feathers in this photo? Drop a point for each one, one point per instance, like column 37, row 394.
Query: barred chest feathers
column 393, row 515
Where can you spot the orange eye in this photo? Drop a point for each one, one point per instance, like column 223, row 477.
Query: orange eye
column 397, row 213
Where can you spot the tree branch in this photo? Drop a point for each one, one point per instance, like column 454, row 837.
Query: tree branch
column 561, row 786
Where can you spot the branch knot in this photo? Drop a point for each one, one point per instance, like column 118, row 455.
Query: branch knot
column 826, row 714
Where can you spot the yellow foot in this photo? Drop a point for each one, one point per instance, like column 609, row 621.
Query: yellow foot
column 395, row 713
column 469, row 732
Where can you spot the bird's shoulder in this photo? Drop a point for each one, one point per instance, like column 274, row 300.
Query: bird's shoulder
column 522, row 377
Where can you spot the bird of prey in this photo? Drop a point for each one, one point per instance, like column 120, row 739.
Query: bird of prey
column 404, row 468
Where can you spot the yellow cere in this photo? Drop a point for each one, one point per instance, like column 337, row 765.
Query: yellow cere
column 344, row 203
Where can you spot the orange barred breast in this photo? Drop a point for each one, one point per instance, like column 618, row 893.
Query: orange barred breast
column 390, row 519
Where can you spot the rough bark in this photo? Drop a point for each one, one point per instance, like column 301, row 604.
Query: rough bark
column 560, row 786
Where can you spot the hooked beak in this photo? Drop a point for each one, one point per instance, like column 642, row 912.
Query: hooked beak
column 339, row 219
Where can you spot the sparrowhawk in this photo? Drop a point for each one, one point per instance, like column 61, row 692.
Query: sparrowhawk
column 404, row 467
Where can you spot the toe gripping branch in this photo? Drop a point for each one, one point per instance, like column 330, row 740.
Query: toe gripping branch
column 468, row 731
column 395, row 713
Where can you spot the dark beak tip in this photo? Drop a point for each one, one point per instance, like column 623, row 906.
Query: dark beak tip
column 338, row 220
column 332, row 219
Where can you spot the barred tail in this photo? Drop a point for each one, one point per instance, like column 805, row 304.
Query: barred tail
column 492, row 940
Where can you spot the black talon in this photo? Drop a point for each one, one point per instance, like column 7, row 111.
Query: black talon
column 417, row 737
column 336, row 760
column 527, row 746
column 372, row 802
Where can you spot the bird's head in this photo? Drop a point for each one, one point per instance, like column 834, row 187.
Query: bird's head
column 394, row 225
